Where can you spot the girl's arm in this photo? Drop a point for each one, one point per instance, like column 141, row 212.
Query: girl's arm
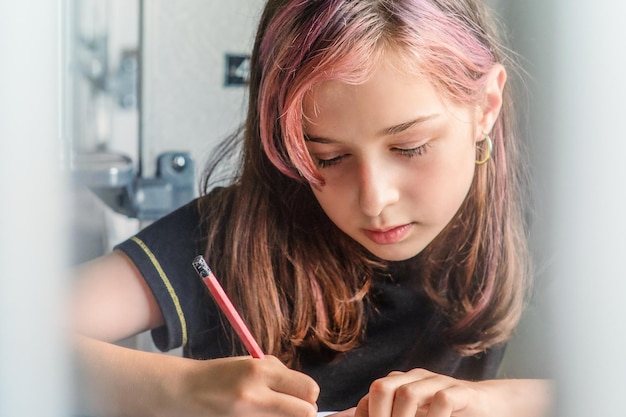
column 112, row 302
column 423, row 393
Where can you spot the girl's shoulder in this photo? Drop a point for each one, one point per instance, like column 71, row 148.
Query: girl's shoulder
column 220, row 196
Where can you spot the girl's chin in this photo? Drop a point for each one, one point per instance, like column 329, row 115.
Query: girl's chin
column 394, row 253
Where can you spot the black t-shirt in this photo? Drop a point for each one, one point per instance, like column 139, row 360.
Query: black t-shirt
column 403, row 332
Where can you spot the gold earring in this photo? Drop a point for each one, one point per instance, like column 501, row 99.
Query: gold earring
column 489, row 150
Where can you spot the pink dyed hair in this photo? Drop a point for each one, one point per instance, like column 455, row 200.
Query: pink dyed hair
column 477, row 268
column 309, row 42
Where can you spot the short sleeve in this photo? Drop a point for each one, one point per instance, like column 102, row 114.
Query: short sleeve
column 163, row 252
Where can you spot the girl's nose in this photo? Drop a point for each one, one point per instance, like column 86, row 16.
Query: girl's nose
column 377, row 188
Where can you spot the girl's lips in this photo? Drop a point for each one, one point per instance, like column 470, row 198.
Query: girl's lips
column 388, row 236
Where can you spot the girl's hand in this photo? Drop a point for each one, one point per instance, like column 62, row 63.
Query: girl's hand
column 419, row 393
column 240, row 386
column 112, row 301
column 113, row 380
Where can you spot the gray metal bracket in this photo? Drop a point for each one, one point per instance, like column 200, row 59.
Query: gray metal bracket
column 93, row 63
column 113, row 179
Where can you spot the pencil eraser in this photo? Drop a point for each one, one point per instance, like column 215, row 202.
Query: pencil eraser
column 201, row 266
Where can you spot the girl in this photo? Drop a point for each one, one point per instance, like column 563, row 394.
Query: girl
column 372, row 237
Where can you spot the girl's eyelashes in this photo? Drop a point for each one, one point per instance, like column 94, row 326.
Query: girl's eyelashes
column 407, row 152
column 325, row 163
column 411, row 152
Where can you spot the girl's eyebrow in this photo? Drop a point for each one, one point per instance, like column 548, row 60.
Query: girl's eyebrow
column 399, row 128
column 388, row 131
column 308, row 138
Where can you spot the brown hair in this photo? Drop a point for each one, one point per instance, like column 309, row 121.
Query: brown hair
column 299, row 281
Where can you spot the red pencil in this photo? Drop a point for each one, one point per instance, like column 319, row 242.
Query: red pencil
column 227, row 307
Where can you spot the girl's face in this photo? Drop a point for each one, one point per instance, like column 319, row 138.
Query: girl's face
column 397, row 159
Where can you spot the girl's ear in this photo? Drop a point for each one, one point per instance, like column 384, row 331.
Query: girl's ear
column 489, row 109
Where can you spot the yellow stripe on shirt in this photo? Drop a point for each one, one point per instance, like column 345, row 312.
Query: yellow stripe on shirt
column 168, row 285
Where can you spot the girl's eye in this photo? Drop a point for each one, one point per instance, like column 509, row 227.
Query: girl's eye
column 420, row 150
column 325, row 163
column 409, row 153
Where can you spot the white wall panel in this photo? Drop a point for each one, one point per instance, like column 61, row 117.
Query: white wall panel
column 186, row 105
column 589, row 221
column 34, row 363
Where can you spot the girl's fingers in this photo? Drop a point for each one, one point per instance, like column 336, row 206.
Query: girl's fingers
column 414, row 393
column 448, row 401
column 288, row 405
column 293, row 383
column 420, row 394
column 362, row 409
column 383, row 393
column 263, row 387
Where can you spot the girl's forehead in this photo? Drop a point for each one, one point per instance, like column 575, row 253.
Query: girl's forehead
column 353, row 69
column 388, row 75
column 388, row 98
